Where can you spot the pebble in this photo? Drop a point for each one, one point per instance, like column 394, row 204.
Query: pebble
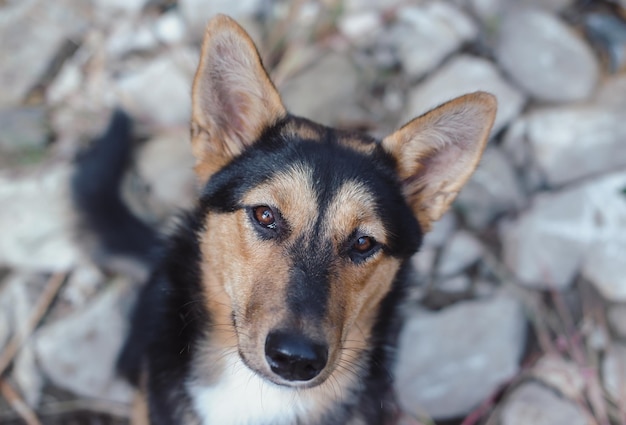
column 574, row 142
column 493, row 190
column 159, row 90
column 428, row 33
column 617, row 319
column 325, row 91
column 546, row 57
column 23, row 128
column 461, row 251
column 605, row 268
column 546, row 245
column 36, row 221
column 452, row 360
column 78, row 352
column 461, row 75
column 535, row 404
column 614, row 371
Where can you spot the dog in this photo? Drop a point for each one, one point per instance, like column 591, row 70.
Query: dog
column 278, row 298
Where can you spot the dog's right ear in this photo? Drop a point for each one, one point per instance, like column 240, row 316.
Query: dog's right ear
column 233, row 99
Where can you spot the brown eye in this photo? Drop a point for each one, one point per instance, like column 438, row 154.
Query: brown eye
column 363, row 244
column 265, row 216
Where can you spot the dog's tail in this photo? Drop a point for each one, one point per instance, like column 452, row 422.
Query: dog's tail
column 120, row 238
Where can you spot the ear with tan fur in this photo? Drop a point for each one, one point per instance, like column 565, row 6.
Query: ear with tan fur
column 233, row 99
column 437, row 152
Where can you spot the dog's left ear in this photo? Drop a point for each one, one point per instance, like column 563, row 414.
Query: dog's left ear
column 233, row 99
column 437, row 152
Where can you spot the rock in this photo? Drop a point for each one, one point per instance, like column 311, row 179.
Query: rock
column 612, row 93
column 535, row 404
column 545, row 57
column 617, row 319
column 376, row 5
column 424, row 261
column 573, row 142
column 170, row 28
column 560, row 374
column 493, row 189
column 457, row 284
column 165, row 164
column 198, row 12
column 325, row 91
column 361, row 27
column 37, row 222
column 441, row 231
column 27, row 54
column 15, row 306
column 452, row 360
column 79, row 351
column 605, row 268
column 490, row 10
column 608, row 30
column 614, row 371
column 463, row 250
column 131, row 35
column 160, row 90
column 546, row 246
column 112, row 9
column 427, row 33
column 461, row 75
column 27, row 375
column 23, row 129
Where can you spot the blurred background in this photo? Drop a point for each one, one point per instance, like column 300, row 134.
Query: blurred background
column 518, row 312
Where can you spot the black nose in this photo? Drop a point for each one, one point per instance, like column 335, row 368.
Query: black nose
column 294, row 357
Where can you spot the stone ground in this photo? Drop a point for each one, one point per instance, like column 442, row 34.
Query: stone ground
column 518, row 314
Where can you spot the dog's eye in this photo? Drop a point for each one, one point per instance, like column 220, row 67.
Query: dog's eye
column 264, row 216
column 363, row 247
column 363, row 244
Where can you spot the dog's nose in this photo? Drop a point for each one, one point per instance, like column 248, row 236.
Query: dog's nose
column 294, row 357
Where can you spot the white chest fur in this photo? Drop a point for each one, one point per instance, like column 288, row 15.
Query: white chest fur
column 241, row 397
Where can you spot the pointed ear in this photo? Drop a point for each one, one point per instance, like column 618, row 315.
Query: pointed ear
column 233, row 99
column 437, row 152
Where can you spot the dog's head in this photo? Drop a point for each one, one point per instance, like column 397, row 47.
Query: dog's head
column 307, row 226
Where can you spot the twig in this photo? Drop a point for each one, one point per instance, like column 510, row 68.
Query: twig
column 17, row 403
column 95, row 406
column 17, row 341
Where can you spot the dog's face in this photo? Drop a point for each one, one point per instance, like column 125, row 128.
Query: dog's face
column 306, row 226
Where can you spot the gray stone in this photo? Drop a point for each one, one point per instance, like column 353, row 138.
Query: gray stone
column 361, row 27
column 15, row 306
column 493, row 10
column 441, row 231
column 493, row 189
column 452, row 360
column 545, row 57
column 198, row 12
column 325, row 91
column 612, row 93
column 165, row 164
column 160, row 90
column 461, row 251
column 31, row 34
column 535, row 404
column 23, row 128
column 424, row 261
column 170, row 28
column 27, row 376
column 461, row 75
column 546, row 246
column 617, row 319
column 429, row 33
column 457, row 284
column 79, row 351
column 36, row 221
column 563, row 375
column 573, row 142
column 605, row 268
column 614, row 371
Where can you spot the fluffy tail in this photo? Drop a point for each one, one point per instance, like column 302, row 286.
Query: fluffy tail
column 119, row 235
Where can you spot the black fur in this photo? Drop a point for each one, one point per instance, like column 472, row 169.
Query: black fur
column 169, row 319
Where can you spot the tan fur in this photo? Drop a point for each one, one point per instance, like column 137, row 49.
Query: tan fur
column 437, row 152
column 303, row 131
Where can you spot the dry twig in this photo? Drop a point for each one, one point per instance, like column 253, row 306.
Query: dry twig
column 17, row 403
